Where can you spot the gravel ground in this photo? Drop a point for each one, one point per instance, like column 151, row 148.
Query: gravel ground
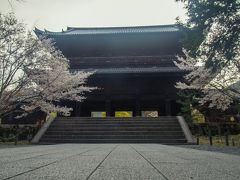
column 116, row 161
column 227, row 150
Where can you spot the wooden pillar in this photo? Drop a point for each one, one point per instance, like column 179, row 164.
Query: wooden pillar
column 108, row 107
column 137, row 107
column 168, row 107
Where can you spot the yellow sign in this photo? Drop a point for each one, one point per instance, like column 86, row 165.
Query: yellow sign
column 53, row 114
column 123, row 114
column 98, row 114
column 197, row 116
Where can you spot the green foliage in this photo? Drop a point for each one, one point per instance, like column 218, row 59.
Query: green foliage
column 187, row 100
column 8, row 134
column 202, row 16
column 191, row 39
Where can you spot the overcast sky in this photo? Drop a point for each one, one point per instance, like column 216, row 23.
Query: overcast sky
column 58, row 14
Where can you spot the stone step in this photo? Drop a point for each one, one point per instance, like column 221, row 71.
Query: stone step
column 117, row 118
column 123, row 136
column 165, row 130
column 177, row 128
column 115, row 121
column 118, row 125
column 161, row 141
column 114, row 132
column 107, row 121
column 123, row 122
column 138, row 117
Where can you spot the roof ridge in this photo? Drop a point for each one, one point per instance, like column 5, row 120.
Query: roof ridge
column 110, row 30
column 120, row 27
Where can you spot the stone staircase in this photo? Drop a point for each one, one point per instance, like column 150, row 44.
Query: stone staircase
column 164, row 130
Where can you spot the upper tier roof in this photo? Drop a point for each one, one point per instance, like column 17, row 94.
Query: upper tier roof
column 111, row 30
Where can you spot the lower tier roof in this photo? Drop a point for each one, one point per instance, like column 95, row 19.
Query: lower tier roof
column 133, row 70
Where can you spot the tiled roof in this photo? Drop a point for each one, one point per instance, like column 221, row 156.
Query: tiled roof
column 132, row 70
column 111, row 30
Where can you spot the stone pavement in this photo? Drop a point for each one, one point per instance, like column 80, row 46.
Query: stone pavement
column 116, row 161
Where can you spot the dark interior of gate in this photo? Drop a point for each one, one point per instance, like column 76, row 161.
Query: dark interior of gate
column 130, row 92
column 133, row 66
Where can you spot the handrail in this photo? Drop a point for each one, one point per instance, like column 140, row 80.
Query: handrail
column 186, row 130
column 43, row 129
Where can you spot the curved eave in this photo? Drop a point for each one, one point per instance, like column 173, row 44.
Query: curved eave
column 38, row 31
column 46, row 32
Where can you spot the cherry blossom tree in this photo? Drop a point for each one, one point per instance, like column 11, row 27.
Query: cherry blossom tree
column 218, row 89
column 34, row 74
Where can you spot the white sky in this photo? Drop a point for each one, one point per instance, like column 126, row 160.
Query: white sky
column 58, row 14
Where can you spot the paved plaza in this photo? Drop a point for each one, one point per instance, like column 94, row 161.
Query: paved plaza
column 116, row 161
